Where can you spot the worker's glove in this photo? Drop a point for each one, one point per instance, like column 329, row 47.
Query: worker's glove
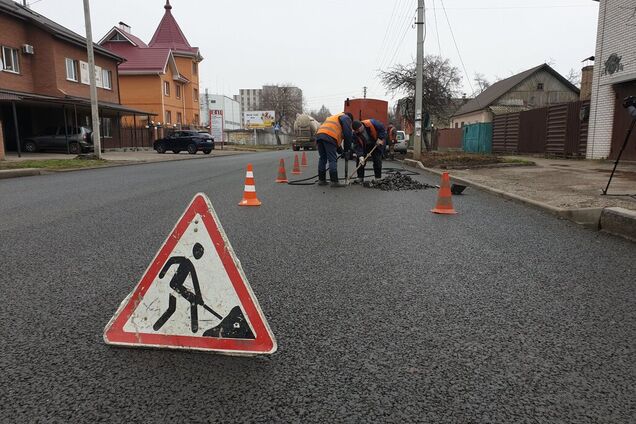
column 361, row 162
column 380, row 142
column 339, row 150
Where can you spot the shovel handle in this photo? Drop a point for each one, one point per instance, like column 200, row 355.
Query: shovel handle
column 365, row 161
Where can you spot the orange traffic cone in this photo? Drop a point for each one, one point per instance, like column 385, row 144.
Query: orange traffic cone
column 296, row 170
column 282, row 176
column 303, row 161
column 249, row 193
column 444, row 201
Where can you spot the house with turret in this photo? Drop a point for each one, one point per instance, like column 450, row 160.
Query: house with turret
column 161, row 76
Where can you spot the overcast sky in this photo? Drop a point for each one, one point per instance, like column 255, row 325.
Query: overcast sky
column 332, row 48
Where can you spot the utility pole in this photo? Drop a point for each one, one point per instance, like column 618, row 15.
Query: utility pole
column 419, row 131
column 364, row 89
column 93, row 89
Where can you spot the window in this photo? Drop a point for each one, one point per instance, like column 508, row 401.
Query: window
column 179, row 118
column 71, row 69
column 196, row 95
column 168, row 117
column 107, row 79
column 196, row 119
column 166, row 88
column 106, row 128
column 177, row 91
column 540, row 86
column 10, row 62
column 195, row 68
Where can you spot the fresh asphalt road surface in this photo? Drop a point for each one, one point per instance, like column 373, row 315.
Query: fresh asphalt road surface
column 383, row 311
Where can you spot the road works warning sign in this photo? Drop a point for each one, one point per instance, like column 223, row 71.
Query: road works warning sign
column 194, row 294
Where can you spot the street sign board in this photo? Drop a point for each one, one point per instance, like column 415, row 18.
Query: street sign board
column 216, row 125
column 194, row 295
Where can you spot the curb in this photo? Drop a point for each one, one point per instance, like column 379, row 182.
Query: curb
column 616, row 221
column 619, row 222
column 20, row 172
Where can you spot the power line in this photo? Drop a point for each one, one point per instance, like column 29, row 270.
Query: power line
column 439, row 46
column 457, row 48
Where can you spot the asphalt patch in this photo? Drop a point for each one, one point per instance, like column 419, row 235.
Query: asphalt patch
column 396, row 182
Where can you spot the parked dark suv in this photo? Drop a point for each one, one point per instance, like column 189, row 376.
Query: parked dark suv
column 192, row 141
column 74, row 140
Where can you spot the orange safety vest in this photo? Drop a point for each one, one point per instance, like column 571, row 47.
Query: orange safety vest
column 332, row 128
column 374, row 133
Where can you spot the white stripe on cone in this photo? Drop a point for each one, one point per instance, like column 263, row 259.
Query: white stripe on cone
column 250, row 189
column 249, row 174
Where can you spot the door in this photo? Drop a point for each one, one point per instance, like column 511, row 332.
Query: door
column 622, row 120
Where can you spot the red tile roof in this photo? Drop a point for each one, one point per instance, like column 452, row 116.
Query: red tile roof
column 151, row 58
column 169, row 34
column 148, row 59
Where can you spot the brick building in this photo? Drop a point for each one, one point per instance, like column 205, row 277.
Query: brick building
column 44, row 78
column 614, row 78
column 161, row 76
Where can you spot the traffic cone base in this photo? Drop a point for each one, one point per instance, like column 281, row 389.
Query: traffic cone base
column 444, row 198
column 296, row 170
column 303, row 161
column 249, row 193
column 282, row 176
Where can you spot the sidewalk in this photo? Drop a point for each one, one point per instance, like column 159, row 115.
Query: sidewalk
column 570, row 189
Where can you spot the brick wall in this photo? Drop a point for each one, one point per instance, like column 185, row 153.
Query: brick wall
column 13, row 34
column 615, row 35
column 44, row 72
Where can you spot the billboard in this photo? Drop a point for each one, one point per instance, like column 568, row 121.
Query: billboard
column 216, row 124
column 259, row 118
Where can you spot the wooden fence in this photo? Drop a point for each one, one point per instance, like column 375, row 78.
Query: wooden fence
column 559, row 130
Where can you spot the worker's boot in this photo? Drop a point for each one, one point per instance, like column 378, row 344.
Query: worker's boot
column 334, row 180
column 322, row 179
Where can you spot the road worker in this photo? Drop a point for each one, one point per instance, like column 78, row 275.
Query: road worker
column 329, row 140
column 391, row 139
column 370, row 135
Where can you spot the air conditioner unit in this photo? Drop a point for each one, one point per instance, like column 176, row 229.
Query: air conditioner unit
column 27, row 49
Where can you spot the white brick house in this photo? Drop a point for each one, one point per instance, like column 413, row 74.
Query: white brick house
column 614, row 77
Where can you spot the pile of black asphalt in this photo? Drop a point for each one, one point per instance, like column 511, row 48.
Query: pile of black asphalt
column 396, row 182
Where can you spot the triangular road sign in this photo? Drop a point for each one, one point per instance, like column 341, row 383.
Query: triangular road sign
column 194, row 295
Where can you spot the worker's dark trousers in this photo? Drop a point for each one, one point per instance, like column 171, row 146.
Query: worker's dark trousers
column 377, row 164
column 328, row 153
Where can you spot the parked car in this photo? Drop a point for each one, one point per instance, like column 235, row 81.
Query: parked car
column 402, row 143
column 192, row 141
column 207, row 136
column 74, row 140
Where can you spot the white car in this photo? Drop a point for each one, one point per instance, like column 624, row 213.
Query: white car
column 402, row 143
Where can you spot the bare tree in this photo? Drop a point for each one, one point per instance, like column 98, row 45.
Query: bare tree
column 321, row 115
column 481, row 83
column 441, row 83
column 574, row 77
column 286, row 100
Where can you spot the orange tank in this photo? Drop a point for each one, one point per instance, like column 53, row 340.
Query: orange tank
column 362, row 109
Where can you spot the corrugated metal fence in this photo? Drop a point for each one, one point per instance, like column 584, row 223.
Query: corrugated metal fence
column 558, row 130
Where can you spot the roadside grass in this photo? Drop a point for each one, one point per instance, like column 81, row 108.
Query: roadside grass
column 54, row 164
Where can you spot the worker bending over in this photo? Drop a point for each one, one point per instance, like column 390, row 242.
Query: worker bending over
column 329, row 139
column 370, row 135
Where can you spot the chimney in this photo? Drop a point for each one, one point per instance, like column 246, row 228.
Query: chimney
column 125, row 27
column 586, row 82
